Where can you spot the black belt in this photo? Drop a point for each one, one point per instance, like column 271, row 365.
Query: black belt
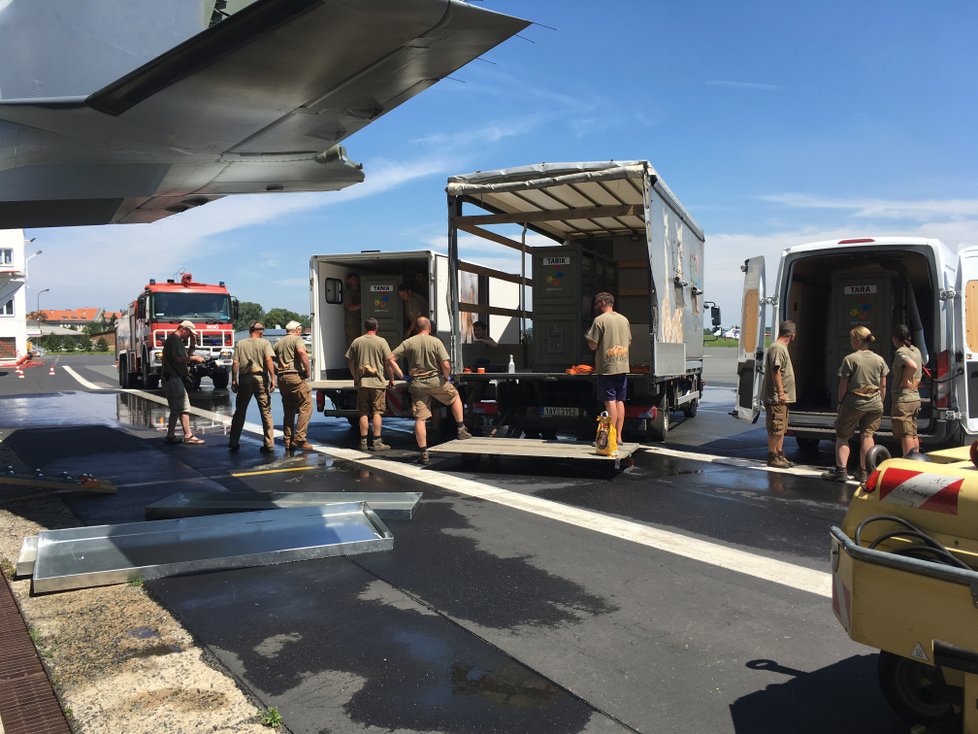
column 289, row 372
column 252, row 373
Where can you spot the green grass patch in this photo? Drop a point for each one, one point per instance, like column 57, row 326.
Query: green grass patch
column 271, row 718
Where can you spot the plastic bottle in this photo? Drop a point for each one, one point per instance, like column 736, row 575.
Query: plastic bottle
column 511, row 367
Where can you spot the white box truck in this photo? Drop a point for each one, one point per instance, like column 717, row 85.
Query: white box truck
column 381, row 274
column 828, row 288
column 578, row 229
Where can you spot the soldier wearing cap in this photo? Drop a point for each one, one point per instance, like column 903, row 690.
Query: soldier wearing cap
column 253, row 374
column 175, row 367
column 292, row 368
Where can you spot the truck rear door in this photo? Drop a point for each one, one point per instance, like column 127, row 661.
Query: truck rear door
column 750, row 357
column 966, row 337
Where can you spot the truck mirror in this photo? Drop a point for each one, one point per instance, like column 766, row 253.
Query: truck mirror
column 715, row 315
column 235, row 310
column 141, row 307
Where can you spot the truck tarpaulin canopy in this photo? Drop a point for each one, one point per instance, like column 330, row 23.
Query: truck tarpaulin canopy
column 609, row 194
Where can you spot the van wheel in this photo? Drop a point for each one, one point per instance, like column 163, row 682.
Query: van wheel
column 660, row 424
column 690, row 408
column 917, row 692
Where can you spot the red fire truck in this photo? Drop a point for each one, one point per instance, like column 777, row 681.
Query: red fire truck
column 145, row 324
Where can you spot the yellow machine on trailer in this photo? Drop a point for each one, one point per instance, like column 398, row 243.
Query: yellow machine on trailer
column 905, row 581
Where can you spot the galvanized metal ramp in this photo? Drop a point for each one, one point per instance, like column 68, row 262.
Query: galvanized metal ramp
column 532, row 448
column 387, row 505
column 77, row 558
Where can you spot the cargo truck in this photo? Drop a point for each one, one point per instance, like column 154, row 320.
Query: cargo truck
column 828, row 288
column 573, row 230
column 380, row 276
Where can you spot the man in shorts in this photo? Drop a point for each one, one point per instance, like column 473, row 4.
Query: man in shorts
column 430, row 376
column 367, row 359
column 610, row 336
column 175, row 362
column 778, row 392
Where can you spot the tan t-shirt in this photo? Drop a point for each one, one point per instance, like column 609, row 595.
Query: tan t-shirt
column 613, row 335
column 866, row 371
column 287, row 354
column 250, row 355
column 416, row 305
column 424, row 355
column 370, row 351
column 778, row 359
column 353, row 320
column 902, row 356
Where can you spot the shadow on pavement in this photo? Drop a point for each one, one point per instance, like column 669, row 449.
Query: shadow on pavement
column 841, row 698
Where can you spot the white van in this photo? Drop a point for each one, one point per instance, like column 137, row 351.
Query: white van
column 828, row 288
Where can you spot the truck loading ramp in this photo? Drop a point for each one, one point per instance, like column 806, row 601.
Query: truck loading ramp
column 532, row 448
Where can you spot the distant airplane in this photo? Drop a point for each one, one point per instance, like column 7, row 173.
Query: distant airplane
column 198, row 99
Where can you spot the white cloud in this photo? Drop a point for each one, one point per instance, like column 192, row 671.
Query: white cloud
column 744, row 85
column 105, row 266
column 925, row 210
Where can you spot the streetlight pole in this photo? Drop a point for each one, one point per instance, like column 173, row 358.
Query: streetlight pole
column 28, row 259
column 37, row 313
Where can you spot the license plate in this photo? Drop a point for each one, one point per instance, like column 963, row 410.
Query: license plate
column 571, row 412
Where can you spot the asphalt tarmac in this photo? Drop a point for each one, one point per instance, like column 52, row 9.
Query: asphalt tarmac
column 687, row 593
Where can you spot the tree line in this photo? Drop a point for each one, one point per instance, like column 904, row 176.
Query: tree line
column 275, row 318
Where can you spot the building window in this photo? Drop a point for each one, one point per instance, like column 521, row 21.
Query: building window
column 6, row 256
column 8, row 308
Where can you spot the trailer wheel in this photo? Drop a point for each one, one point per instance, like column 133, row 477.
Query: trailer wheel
column 690, row 408
column 660, row 424
column 916, row 691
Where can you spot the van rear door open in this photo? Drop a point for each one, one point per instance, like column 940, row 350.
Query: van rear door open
column 966, row 336
column 750, row 357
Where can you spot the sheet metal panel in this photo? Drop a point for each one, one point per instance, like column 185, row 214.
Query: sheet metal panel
column 28, row 554
column 387, row 505
column 78, row 558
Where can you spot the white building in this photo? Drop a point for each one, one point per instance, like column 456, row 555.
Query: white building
column 13, row 297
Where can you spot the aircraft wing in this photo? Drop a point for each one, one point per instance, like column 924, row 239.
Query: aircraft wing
column 257, row 102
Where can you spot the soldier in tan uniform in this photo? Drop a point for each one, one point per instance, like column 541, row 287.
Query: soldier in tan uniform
column 862, row 390
column 253, row 374
column 415, row 306
column 292, row 368
column 367, row 360
column 430, row 374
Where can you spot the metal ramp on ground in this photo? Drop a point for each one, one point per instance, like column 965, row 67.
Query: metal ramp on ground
column 192, row 503
column 76, row 558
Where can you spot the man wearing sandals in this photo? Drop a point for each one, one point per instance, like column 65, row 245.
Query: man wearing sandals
column 175, row 368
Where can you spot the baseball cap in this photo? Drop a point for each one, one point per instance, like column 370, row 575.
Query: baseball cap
column 189, row 325
column 293, row 325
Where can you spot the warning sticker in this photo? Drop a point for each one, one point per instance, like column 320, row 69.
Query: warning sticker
column 921, row 490
column 918, row 653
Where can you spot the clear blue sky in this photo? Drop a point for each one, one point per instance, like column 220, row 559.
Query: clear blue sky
column 774, row 123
